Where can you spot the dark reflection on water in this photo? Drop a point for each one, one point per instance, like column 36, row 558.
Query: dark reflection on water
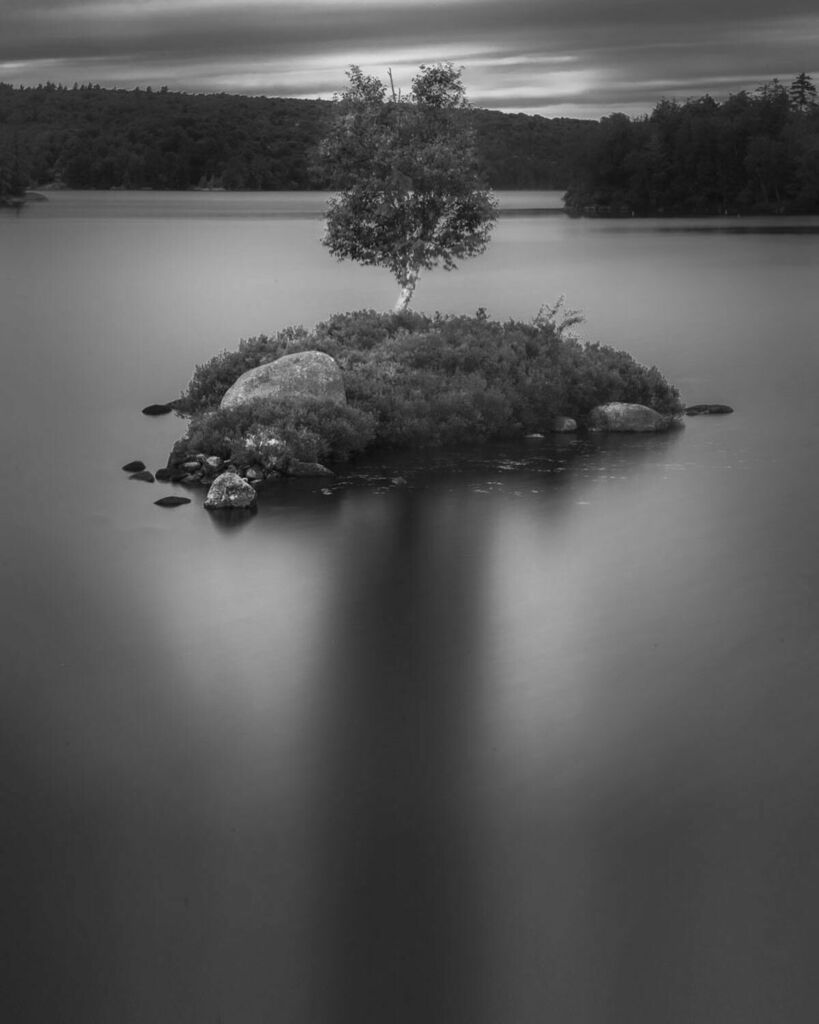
column 403, row 938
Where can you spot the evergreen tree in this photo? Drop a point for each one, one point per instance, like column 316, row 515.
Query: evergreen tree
column 802, row 92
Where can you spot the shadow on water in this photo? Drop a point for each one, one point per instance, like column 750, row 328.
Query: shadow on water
column 231, row 519
column 398, row 896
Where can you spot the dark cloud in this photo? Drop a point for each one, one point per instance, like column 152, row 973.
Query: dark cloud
column 520, row 54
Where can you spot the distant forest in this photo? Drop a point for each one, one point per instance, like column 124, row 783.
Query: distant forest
column 90, row 137
column 750, row 153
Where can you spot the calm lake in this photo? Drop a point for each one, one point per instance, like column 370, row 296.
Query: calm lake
column 531, row 737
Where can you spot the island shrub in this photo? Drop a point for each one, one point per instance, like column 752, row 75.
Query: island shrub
column 310, row 430
column 417, row 380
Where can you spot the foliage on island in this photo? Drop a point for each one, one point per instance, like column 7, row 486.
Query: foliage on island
column 414, row 380
column 410, row 196
column 751, row 153
column 87, row 137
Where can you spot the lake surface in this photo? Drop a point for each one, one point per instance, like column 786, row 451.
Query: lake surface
column 531, row 737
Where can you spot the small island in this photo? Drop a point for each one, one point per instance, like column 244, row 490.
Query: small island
column 409, row 196
column 299, row 402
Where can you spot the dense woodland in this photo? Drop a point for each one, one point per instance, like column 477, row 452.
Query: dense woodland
column 754, row 152
column 751, row 153
column 89, row 137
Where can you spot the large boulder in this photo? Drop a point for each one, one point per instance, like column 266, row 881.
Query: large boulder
column 300, row 375
column 229, row 490
column 627, row 417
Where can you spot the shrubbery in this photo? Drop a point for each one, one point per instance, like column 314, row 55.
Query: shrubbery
column 413, row 379
column 309, row 430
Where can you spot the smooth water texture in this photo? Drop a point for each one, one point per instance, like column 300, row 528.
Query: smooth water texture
column 529, row 737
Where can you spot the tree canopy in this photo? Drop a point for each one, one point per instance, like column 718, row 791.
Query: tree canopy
column 87, row 137
column 406, row 167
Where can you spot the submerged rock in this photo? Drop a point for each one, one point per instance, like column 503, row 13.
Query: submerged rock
column 564, row 425
column 134, row 467
column 171, row 501
column 229, row 490
column 158, row 409
column 708, row 410
column 299, row 375
column 143, row 474
column 627, row 417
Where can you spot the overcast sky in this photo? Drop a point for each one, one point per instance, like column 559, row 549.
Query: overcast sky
column 577, row 58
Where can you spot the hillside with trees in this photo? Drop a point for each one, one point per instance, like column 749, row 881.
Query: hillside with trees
column 87, row 137
column 751, row 153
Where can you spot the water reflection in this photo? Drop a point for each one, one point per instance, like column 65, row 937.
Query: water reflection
column 402, row 677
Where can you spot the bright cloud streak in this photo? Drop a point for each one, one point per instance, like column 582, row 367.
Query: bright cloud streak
column 560, row 57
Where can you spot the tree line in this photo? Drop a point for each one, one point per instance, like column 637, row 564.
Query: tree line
column 87, row 137
column 751, row 153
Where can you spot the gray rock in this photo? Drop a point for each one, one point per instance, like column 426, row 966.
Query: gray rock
column 134, row 467
column 300, row 375
column 564, row 425
column 143, row 474
column 213, row 463
column 627, row 417
column 229, row 490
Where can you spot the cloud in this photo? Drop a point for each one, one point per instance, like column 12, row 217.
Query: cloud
column 585, row 56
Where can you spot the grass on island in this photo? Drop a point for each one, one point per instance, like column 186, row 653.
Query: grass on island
column 417, row 380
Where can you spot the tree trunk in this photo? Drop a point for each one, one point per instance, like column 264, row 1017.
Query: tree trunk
column 408, row 283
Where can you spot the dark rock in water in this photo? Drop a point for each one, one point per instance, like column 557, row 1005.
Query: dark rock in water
column 171, row 501
column 230, row 491
column 134, row 467
column 708, row 410
column 158, row 409
column 144, row 474
column 295, row 468
column 163, row 474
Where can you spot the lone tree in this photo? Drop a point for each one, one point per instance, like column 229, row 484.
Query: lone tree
column 406, row 170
